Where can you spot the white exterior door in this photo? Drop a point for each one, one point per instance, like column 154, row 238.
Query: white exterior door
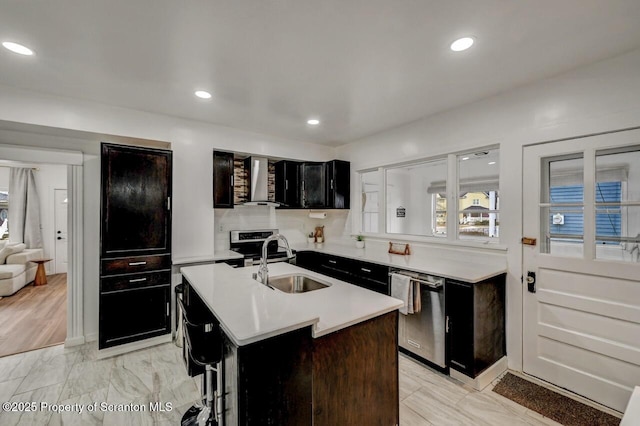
column 61, row 246
column 581, row 326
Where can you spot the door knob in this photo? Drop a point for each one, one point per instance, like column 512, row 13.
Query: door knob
column 59, row 238
column 531, row 281
column 59, row 232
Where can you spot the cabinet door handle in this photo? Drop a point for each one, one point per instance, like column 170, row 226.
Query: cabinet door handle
column 168, row 203
column 232, row 180
column 333, row 261
column 414, row 343
column 446, row 326
column 137, row 263
column 331, row 184
column 458, row 364
column 137, row 280
column 168, row 309
column 303, row 185
column 365, row 270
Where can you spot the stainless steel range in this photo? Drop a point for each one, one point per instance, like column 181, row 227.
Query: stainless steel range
column 249, row 244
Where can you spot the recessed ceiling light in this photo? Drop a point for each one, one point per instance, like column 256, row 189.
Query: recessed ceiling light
column 313, row 122
column 17, row 48
column 465, row 158
column 492, row 163
column 462, row 44
column 203, row 94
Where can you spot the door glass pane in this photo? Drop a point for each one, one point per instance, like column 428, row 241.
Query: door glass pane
column 416, row 198
column 617, row 197
column 370, row 182
column 562, row 207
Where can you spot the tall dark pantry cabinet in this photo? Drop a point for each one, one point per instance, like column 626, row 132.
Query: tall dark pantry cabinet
column 135, row 244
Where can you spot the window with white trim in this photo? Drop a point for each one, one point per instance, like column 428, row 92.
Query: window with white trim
column 451, row 197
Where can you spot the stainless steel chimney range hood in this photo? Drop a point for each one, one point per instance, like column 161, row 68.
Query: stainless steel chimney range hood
column 257, row 169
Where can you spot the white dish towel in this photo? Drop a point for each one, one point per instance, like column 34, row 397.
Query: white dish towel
column 402, row 288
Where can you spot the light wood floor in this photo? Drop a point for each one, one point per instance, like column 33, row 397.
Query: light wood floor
column 34, row 317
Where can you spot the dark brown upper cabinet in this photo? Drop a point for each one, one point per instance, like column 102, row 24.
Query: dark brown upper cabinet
column 223, row 180
column 313, row 185
column 136, row 201
column 338, row 174
column 287, row 180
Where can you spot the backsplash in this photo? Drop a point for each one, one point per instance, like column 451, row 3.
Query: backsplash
column 240, row 184
column 293, row 224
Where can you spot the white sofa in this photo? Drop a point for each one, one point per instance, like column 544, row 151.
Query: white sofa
column 18, row 271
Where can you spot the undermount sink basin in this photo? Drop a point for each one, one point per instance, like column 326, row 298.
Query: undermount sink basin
column 296, row 283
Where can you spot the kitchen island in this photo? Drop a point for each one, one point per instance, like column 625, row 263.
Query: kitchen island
column 324, row 357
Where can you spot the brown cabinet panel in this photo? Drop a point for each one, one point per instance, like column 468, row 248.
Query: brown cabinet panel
column 135, row 244
column 132, row 265
column 338, row 184
column 476, row 319
column 133, row 315
column 136, row 191
column 313, row 184
column 287, row 184
column 131, row 281
column 223, row 180
column 355, row 374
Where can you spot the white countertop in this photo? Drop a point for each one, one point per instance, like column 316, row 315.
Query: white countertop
column 449, row 263
column 249, row 311
column 215, row 257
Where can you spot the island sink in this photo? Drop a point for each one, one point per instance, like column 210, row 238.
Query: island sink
column 296, row 283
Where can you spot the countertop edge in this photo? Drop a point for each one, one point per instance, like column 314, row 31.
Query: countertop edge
column 313, row 319
column 330, row 330
column 469, row 279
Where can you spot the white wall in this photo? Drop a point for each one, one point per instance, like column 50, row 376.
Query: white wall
column 601, row 97
column 192, row 144
column 48, row 178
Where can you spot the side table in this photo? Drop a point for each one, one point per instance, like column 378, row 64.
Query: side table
column 41, row 275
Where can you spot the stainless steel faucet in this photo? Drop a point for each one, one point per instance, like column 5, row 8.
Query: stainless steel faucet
column 263, row 271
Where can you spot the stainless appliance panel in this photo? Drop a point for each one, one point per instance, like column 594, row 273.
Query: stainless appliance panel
column 423, row 333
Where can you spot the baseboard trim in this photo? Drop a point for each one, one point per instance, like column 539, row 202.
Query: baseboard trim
column 133, row 346
column 74, row 341
column 485, row 378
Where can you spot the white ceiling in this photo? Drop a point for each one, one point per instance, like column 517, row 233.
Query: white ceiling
column 360, row 66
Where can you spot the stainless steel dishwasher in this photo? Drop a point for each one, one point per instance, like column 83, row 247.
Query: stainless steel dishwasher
column 423, row 333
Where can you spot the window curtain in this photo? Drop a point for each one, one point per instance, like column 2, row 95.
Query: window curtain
column 24, row 208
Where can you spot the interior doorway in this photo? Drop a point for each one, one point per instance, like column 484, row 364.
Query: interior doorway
column 33, row 305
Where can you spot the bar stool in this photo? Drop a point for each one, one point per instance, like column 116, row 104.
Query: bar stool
column 203, row 345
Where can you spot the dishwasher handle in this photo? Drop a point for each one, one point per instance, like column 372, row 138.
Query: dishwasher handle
column 432, row 283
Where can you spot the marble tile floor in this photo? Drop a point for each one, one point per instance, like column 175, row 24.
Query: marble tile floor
column 73, row 377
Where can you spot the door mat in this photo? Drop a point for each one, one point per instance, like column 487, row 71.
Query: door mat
column 551, row 404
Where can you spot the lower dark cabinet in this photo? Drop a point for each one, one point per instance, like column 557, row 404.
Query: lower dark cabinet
column 475, row 316
column 308, row 259
column 134, row 314
column 363, row 274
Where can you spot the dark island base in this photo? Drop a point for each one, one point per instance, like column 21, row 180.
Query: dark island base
column 346, row 377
